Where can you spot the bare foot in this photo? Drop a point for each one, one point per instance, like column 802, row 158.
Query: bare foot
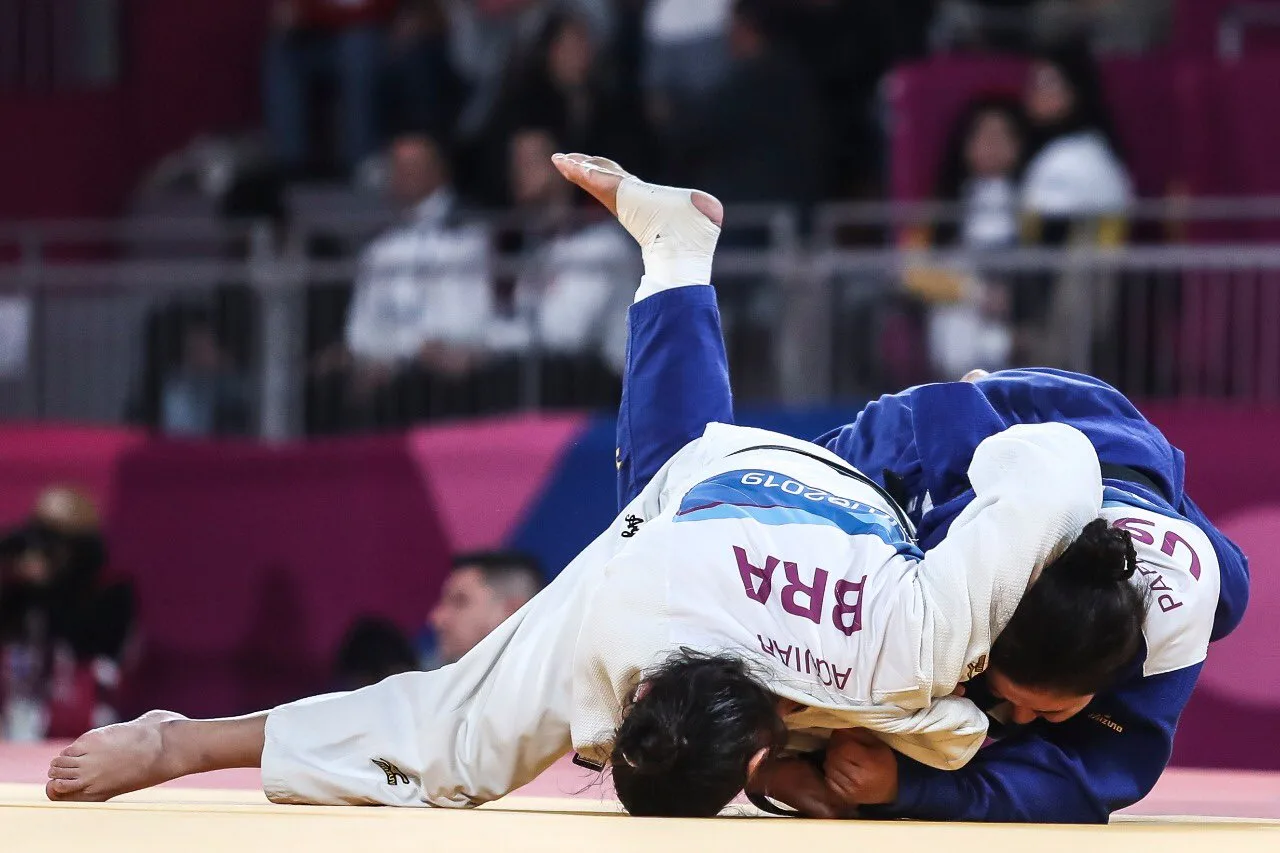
column 114, row 760
column 601, row 178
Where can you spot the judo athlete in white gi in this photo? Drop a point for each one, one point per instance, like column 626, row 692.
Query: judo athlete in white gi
column 751, row 561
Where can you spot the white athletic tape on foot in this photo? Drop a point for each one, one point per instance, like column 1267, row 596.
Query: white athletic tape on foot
column 677, row 240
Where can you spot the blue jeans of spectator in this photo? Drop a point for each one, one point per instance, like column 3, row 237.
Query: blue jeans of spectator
column 295, row 62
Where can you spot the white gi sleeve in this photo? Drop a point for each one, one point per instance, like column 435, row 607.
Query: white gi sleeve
column 1036, row 486
column 945, row 735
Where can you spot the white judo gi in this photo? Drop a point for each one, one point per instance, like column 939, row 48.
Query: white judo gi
column 804, row 571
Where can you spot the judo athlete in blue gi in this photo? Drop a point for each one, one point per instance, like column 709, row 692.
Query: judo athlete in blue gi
column 1057, row 756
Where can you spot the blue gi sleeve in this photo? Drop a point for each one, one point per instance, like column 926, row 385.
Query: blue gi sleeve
column 926, row 436
column 1233, row 569
column 1080, row 771
column 676, row 382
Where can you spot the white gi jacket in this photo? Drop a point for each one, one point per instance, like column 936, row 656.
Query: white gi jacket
column 770, row 554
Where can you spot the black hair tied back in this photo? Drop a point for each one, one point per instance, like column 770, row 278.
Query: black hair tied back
column 1105, row 554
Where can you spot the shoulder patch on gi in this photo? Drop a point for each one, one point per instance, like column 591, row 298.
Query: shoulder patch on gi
column 768, row 497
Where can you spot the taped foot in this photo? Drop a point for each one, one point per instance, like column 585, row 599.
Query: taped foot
column 677, row 228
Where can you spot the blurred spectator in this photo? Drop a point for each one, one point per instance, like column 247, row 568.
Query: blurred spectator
column 489, row 38
column 967, row 313
column 569, row 89
column 483, row 589
column 759, row 137
column 372, row 649
column 422, row 301
column 1075, row 167
column 847, row 49
column 192, row 384
column 64, row 625
column 575, row 283
column 1076, row 191
column 562, row 83
column 423, row 90
column 686, row 52
column 341, row 43
column 204, row 395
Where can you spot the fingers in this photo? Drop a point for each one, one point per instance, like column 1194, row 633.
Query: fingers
column 974, row 375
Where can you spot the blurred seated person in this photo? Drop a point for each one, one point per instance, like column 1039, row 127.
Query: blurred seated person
column 64, row 624
column 192, row 384
column 421, row 308
column 686, row 52
column 567, row 86
column 760, row 136
column 967, row 308
column 1075, row 192
column 338, row 42
column 372, row 649
column 204, row 394
column 484, row 588
column 567, row 307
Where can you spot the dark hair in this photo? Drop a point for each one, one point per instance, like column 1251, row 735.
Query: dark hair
column 503, row 567
column 1080, row 624
column 685, row 743
column 372, row 649
column 1089, row 111
column 954, row 170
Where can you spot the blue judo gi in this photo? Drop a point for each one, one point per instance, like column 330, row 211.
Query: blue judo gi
column 919, row 443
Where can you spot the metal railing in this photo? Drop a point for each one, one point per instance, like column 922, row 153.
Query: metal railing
column 238, row 328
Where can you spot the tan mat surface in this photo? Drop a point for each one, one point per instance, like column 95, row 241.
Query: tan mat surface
column 213, row 820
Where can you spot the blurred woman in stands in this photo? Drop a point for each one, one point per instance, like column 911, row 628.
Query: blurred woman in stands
column 566, row 83
column 967, row 310
column 1075, row 191
column 64, row 626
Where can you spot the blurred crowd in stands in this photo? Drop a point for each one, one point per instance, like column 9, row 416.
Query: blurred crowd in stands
column 450, row 111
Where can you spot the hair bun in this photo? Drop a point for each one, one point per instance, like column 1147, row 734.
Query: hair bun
column 1105, row 554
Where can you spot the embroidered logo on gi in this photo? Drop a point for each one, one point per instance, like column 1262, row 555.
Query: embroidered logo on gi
column 633, row 523
column 394, row 774
column 1104, row 720
column 977, row 667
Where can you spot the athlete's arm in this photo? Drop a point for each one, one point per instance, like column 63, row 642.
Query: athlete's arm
column 971, row 583
column 676, row 381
